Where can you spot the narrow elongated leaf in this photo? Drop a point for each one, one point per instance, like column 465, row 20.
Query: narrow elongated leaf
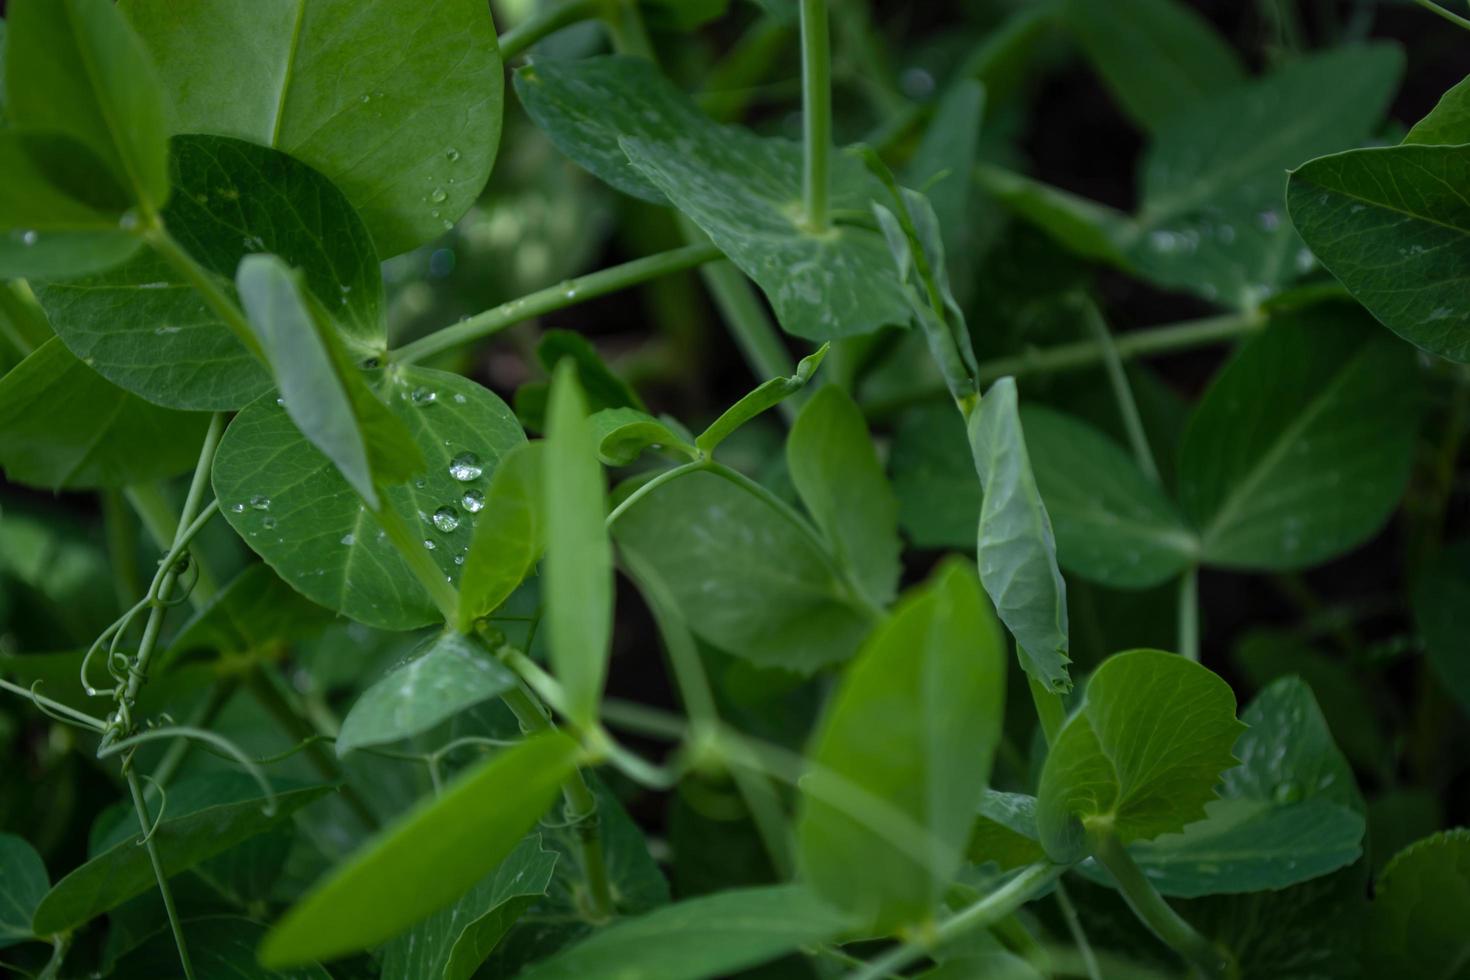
column 713, row 936
column 1141, row 756
column 446, row 675
column 1391, row 225
column 1301, row 447
column 23, row 883
column 510, row 535
column 579, row 575
column 836, row 471
column 1017, row 549
column 219, row 946
column 293, row 507
column 1113, row 525
column 935, row 673
column 1421, row 903
column 623, row 434
column 444, row 846
column 1441, row 597
column 255, row 613
column 64, row 426
column 748, row 575
column 76, row 67
column 768, row 394
column 451, row 944
column 1448, row 123
column 144, row 327
column 182, row 841
column 397, row 101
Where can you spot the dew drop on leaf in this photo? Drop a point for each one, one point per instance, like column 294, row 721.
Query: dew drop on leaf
column 424, row 396
column 429, row 544
column 451, row 154
column 260, row 502
column 446, row 518
column 465, row 467
column 474, row 501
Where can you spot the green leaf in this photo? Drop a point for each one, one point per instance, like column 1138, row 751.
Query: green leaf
column 1448, row 123
column 1005, row 831
column 1391, row 225
column 942, row 166
column 76, row 67
column 887, row 807
column 63, row 426
column 1158, row 57
column 578, row 575
column 219, row 946
column 2, row 72
column 622, row 120
column 603, row 388
column 748, row 575
column 622, row 434
column 1211, row 218
column 447, row 674
column 508, row 538
column 836, row 471
column 444, row 846
column 1141, row 756
column 716, row 935
column 144, row 328
column 1091, row 230
column 1302, row 445
column 451, row 944
column 256, row 613
column 1441, row 596
column 1421, row 904
column 182, row 840
column 933, row 477
column 1017, row 550
column 23, row 883
column 1113, row 525
column 398, row 103
column 767, row 395
column 293, row 507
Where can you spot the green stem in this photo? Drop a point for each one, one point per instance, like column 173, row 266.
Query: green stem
column 1079, row 935
column 1122, row 393
column 1189, row 613
column 1049, row 709
column 653, row 484
column 545, row 21
column 21, row 318
column 60, row 943
column 206, row 285
column 1450, row 16
column 557, row 297
column 45, row 703
column 625, row 28
column 173, row 757
column 1153, row 911
column 146, row 823
column 816, row 102
column 157, row 515
column 412, row 549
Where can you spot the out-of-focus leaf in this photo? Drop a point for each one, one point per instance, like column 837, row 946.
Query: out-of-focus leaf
column 255, row 612
column 1421, row 904
column 1441, row 597
column 23, row 883
column 1448, row 123
column 219, row 946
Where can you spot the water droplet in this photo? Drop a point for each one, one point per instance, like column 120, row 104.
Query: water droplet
column 460, row 399
column 465, row 467
column 424, row 396
column 260, row 502
column 1268, row 220
column 28, row 238
column 367, row 98
column 447, row 224
column 451, row 154
column 459, row 559
column 237, row 508
column 1287, row 792
column 474, row 501
column 429, row 544
column 439, row 196
column 446, row 518
column 348, row 540
column 268, row 523
column 280, row 403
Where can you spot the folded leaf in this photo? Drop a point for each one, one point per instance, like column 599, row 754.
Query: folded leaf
column 767, row 395
column 622, row 434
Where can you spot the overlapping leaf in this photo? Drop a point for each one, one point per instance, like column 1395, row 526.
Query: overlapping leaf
column 23, row 883
column 1422, row 899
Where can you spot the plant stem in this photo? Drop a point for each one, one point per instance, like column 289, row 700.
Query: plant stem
column 413, row 552
column 1448, row 15
column 21, row 318
column 1049, row 709
column 625, row 27
column 557, row 297
column 146, row 823
column 1122, row 393
column 1079, row 935
column 1189, row 613
column 205, row 284
column 816, row 112
column 988, row 910
column 653, row 484
column 157, row 515
column 1152, row 910
column 545, row 21
column 173, row 757
column 46, row 704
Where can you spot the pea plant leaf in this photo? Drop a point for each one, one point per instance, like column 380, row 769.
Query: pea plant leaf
column 622, row 120
column 579, row 574
column 64, row 426
column 836, row 471
column 1005, row 831
column 510, row 535
column 219, row 946
column 1440, row 597
column 1141, row 756
column 715, row 935
column 1114, row 525
column 937, row 665
column 622, row 435
column 1448, row 123
column 767, row 395
column 1301, row 447
column 942, row 164
column 933, row 476
column 293, row 508
column 256, row 612
column 1417, row 924
column 398, row 103
column 1390, row 224
column 452, row 943
column 182, row 839
column 447, row 674
column 23, row 883
column 445, row 845
column 144, row 328
column 749, row 575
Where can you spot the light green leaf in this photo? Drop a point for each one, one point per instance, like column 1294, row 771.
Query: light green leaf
column 293, row 507
column 713, row 936
column 143, row 327
column 447, row 674
column 509, row 536
column 768, row 394
column 1005, row 831
column 63, row 426
column 444, row 846
column 1017, row 550
column 934, row 673
column 398, row 102
column 1113, row 525
column 934, row 477
column 1441, row 596
column 23, row 883
column 76, row 67
column 1392, row 225
column 1211, row 220
column 578, row 575
column 1420, row 907
column 747, row 574
column 219, row 946
column 1141, row 756
column 1158, row 57
column 451, row 944
column 836, row 471
column 622, row 434
column 1302, row 445
column 255, row 613
column 1448, row 123
column 182, row 840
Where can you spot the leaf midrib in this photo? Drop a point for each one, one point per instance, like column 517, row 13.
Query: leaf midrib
column 289, row 70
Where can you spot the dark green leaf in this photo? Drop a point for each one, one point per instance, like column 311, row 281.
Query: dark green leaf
column 934, row 478
column 255, row 613
column 603, row 388
column 1005, row 831
column 622, row 434
column 1091, row 230
column 1448, row 123
column 942, row 166
column 219, row 946
column 510, row 535
column 767, row 395
column 1421, row 905
column 23, row 883
column 1441, row 596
